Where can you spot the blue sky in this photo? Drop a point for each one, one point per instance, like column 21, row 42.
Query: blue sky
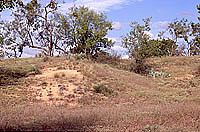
column 122, row 12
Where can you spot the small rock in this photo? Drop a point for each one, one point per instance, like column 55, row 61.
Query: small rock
column 49, row 94
column 70, row 96
column 62, row 87
column 86, row 89
column 61, row 92
column 71, row 81
column 51, row 98
column 67, row 100
column 78, row 89
column 40, row 94
column 80, row 92
column 38, row 89
column 44, row 84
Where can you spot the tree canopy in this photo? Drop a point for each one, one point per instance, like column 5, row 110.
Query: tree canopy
column 43, row 28
column 88, row 31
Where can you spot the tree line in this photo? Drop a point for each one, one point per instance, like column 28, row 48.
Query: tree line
column 84, row 31
column 44, row 28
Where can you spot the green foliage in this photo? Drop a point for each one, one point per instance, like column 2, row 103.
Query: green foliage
column 140, row 67
column 198, row 8
column 186, row 31
column 79, row 56
column 8, row 4
column 136, row 38
column 149, row 128
column 34, row 27
column 103, row 89
column 157, row 48
column 88, row 31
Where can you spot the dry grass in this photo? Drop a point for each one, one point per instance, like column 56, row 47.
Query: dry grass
column 13, row 69
column 102, row 118
column 139, row 102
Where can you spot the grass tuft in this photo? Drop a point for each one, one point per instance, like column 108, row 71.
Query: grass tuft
column 103, row 89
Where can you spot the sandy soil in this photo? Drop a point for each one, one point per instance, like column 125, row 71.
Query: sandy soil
column 60, row 87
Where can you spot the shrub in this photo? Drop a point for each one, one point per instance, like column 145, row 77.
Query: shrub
column 149, row 128
column 33, row 70
column 141, row 67
column 106, row 58
column 103, row 89
column 198, row 72
column 45, row 59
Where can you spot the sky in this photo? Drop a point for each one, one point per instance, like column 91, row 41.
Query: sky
column 122, row 12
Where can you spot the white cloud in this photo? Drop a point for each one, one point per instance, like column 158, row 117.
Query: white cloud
column 116, row 40
column 118, row 48
column 116, row 25
column 160, row 24
column 149, row 33
column 185, row 13
column 125, row 57
column 98, row 5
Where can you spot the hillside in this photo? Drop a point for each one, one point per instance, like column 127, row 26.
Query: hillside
column 69, row 94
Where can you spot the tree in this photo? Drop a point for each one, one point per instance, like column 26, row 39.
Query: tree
column 186, row 31
column 34, row 27
column 196, row 32
column 198, row 8
column 9, row 4
column 157, row 48
column 88, row 31
column 137, row 38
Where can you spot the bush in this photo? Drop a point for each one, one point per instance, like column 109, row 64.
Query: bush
column 103, row 89
column 141, row 67
column 106, row 58
column 198, row 71
column 45, row 59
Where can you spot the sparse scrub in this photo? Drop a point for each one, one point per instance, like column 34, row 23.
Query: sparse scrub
column 141, row 67
column 106, row 58
column 149, row 128
column 198, row 71
column 45, row 59
column 103, row 89
column 79, row 56
column 11, row 74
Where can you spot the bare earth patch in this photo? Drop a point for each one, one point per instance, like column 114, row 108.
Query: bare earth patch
column 60, row 87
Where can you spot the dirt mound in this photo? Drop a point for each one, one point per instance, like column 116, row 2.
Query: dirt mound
column 60, row 87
